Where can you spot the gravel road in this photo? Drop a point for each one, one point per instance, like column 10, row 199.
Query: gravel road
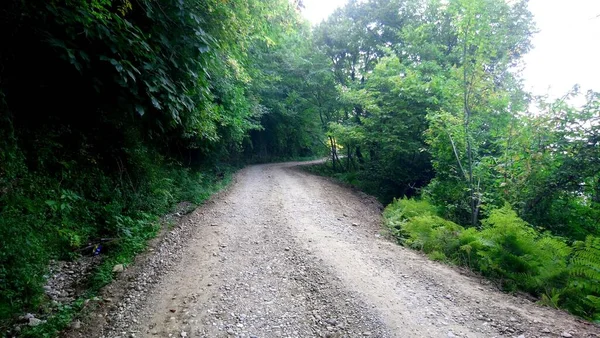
column 284, row 253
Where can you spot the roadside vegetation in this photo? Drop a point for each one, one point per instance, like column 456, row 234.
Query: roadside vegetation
column 429, row 115
column 112, row 112
column 508, row 250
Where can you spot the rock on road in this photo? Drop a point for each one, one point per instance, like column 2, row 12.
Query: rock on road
column 283, row 253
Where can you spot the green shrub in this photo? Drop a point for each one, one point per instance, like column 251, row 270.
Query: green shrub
column 509, row 250
column 432, row 233
column 437, row 256
column 415, row 224
column 405, row 208
column 53, row 215
column 469, row 246
column 582, row 295
column 552, row 255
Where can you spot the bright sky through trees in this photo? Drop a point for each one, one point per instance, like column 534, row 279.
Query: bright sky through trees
column 565, row 51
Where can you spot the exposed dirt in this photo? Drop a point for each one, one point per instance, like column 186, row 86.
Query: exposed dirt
column 287, row 254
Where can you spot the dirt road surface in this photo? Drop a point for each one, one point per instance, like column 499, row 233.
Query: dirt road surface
column 284, row 253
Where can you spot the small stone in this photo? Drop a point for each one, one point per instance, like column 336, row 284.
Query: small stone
column 287, row 248
column 35, row 322
column 332, row 322
column 173, row 310
column 521, row 336
column 118, row 268
column 213, row 224
column 76, row 325
column 546, row 330
column 512, row 319
column 451, row 334
column 354, row 224
column 367, row 333
column 230, row 332
column 566, row 335
column 183, row 334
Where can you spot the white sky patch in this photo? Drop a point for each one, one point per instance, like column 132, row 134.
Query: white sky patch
column 318, row 10
column 566, row 51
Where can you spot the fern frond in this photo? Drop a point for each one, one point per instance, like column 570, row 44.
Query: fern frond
column 585, row 264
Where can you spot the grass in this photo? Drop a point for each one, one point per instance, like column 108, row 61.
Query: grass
column 133, row 219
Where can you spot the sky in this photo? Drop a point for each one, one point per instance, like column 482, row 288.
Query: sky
column 566, row 50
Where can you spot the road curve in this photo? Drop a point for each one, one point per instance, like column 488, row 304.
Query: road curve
column 284, row 253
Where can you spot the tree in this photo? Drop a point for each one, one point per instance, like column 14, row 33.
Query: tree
column 490, row 38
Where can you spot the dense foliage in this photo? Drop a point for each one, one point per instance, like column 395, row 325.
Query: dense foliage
column 429, row 102
column 509, row 250
column 113, row 110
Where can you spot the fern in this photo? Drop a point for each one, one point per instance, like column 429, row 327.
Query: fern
column 551, row 299
column 404, row 209
column 432, row 233
column 582, row 295
column 401, row 212
column 585, row 264
column 510, row 251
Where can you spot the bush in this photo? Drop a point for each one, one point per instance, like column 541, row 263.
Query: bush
column 405, row 208
column 509, row 250
column 582, row 294
column 515, row 253
column 415, row 224
column 52, row 215
column 432, row 233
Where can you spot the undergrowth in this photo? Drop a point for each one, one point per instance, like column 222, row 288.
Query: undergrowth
column 66, row 212
column 508, row 250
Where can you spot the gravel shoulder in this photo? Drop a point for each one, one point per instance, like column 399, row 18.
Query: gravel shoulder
column 284, row 253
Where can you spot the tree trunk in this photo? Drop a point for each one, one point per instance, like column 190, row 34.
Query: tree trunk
column 359, row 156
column 466, row 86
column 596, row 197
column 333, row 152
column 348, row 155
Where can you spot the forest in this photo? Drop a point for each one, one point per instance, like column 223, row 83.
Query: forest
column 112, row 111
